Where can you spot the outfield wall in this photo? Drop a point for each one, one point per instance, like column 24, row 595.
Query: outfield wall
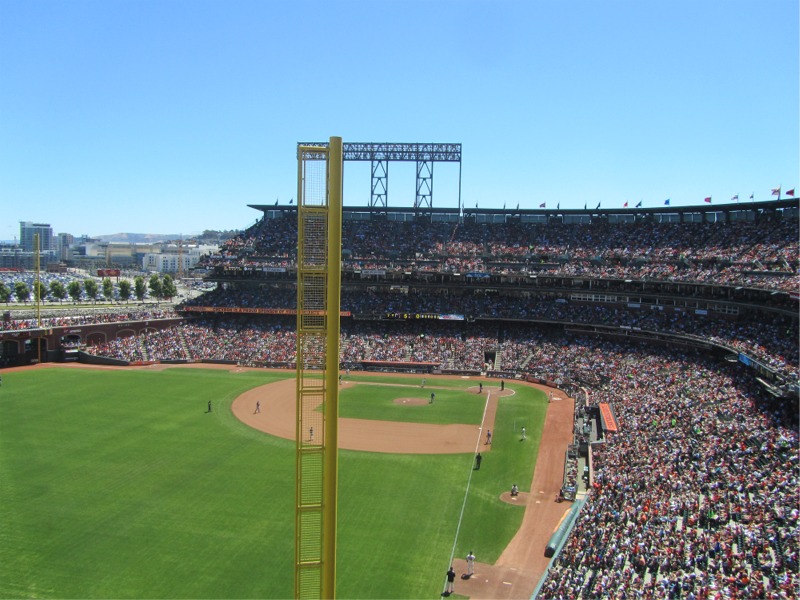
column 19, row 347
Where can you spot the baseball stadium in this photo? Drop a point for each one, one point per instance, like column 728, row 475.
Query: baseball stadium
column 596, row 403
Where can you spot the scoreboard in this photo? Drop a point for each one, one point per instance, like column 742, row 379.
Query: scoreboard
column 414, row 316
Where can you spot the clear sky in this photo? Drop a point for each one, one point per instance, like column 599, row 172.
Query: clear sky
column 171, row 116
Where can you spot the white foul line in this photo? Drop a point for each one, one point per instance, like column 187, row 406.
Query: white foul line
column 469, row 481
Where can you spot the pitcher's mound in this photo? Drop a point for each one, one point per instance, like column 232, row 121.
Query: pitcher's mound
column 410, row 401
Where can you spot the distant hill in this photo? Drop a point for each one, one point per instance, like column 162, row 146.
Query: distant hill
column 139, row 238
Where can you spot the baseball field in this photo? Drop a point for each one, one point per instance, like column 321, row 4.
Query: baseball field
column 119, row 483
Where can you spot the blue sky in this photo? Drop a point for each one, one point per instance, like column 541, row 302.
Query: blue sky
column 173, row 116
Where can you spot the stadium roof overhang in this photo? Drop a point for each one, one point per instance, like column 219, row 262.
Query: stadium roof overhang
column 762, row 206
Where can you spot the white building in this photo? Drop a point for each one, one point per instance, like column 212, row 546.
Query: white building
column 168, row 262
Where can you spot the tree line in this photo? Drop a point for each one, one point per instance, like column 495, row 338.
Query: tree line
column 159, row 288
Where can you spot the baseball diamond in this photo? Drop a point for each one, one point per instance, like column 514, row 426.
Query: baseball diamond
column 522, row 563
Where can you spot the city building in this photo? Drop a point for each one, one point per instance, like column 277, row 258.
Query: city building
column 174, row 261
column 27, row 233
column 64, row 242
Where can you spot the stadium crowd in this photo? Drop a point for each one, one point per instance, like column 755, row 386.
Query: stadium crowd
column 771, row 341
column 763, row 254
column 696, row 496
column 75, row 317
column 255, row 343
column 740, row 252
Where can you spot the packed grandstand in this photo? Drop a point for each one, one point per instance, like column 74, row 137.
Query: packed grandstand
column 687, row 328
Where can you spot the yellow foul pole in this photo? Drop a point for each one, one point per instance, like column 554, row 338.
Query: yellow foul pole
column 38, row 288
column 319, row 242
column 331, row 467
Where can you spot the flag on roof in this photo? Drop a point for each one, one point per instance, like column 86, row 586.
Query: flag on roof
column 751, row 195
column 558, row 206
column 598, row 205
column 639, row 205
column 707, row 199
column 735, row 197
column 625, row 205
column 666, row 202
column 776, row 192
column 790, row 192
column 543, row 204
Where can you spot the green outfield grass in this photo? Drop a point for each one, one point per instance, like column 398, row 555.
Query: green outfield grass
column 119, row 484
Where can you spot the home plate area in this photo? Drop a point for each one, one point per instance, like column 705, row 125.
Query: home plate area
column 490, row 581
